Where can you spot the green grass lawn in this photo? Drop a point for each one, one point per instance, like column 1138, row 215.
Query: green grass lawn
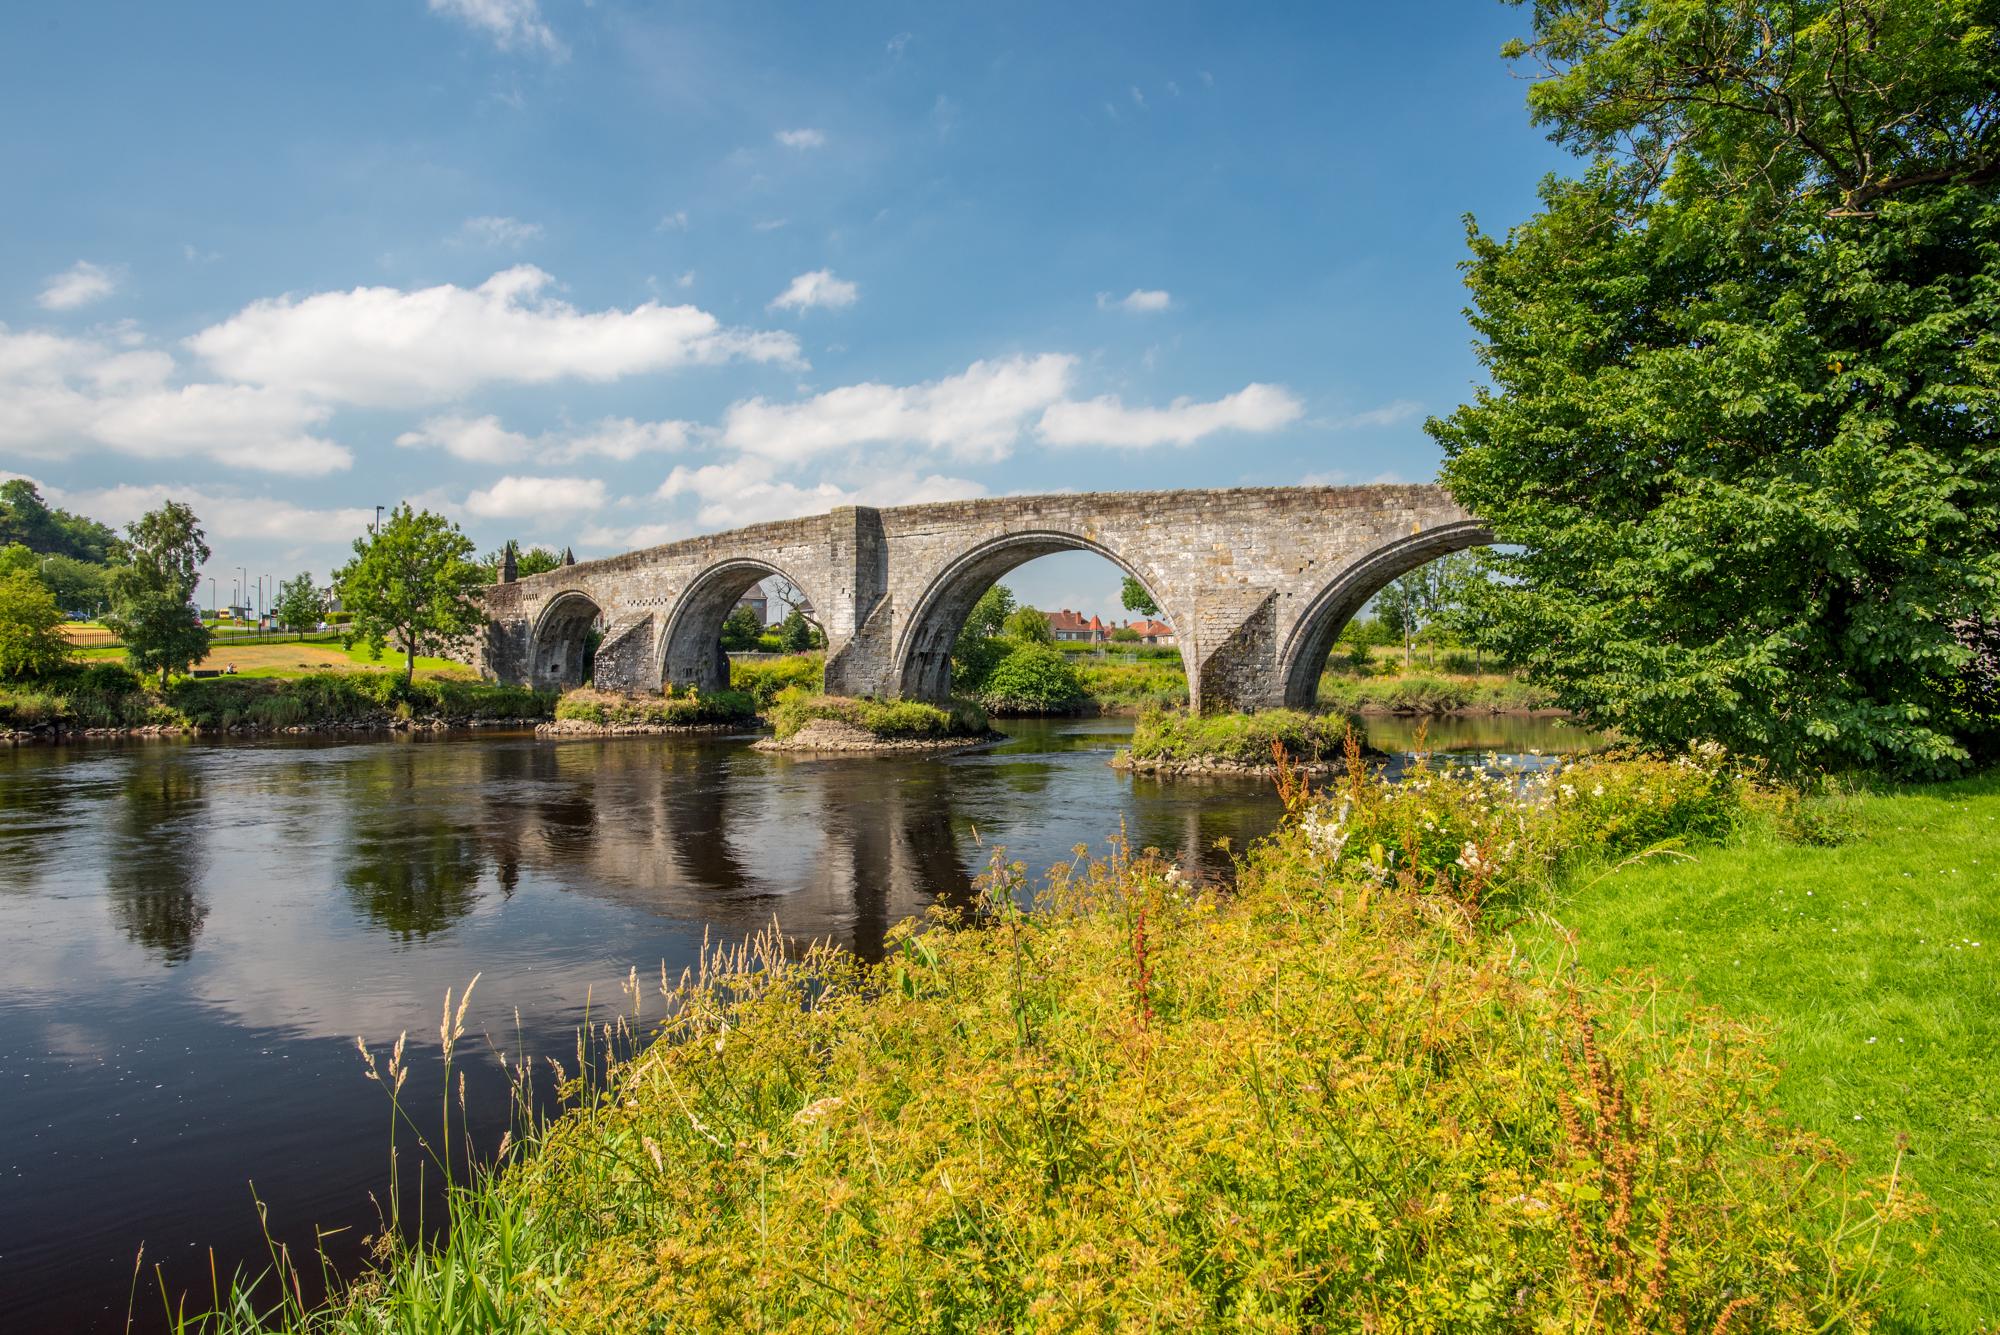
column 1876, row 965
column 290, row 656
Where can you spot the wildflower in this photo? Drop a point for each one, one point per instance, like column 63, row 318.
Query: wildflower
column 1473, row 860
column 815, row 1110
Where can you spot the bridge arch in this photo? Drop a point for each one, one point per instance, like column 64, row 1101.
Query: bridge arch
column 922, row 656
column 559, row 643
column 1303, row 656
column 691, row 652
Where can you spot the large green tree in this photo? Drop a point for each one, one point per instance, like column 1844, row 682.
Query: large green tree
column 152, row 594
column 299, row 603
column 78, row 586
column 412, row 583
column 1744, row 372
column 31, row 640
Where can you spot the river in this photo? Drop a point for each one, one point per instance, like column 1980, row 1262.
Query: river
column 196, row 932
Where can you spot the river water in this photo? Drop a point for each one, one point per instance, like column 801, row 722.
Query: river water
column 195, row 933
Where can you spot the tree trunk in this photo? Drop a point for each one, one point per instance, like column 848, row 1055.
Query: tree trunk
column 409, row 663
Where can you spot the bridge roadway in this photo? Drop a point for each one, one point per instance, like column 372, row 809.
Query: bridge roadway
column 1256, row 581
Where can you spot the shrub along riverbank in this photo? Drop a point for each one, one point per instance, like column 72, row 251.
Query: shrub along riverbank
column 106, row 697
column 612, row 711
column 1173, row 741
column 1336, row 1094
column 884, row 720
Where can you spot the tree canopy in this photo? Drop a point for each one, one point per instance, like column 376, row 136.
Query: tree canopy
column 413, row 584
column 1136, row 599
column 299, row 603
column 31, row 640
column 29, row 520
column 152, row 594
column 1029, row 625
column 1743, row 378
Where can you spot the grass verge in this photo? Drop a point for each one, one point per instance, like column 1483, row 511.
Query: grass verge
column 1858, row 959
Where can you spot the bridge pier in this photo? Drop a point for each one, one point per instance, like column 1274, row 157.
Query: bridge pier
column 1257, row 582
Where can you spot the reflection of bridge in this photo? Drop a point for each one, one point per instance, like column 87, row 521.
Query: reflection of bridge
column 1257, row 581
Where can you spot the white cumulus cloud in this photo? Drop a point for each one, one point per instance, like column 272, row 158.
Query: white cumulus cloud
column 978, row 413
column 226, row 513
column 1107, row 421
column 801, row 138
column 512, row 24
column 818, row 288
column 619, row 438
column 1139, row 301
column 382, row 346
column 61, row 396
column 475, row 439
column 78, row 285
column 529, row 497
column 742, row 491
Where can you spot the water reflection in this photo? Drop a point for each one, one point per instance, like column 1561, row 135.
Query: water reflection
column 160, row 861
column 147, row 1099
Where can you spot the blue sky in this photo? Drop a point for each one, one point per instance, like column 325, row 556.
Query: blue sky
column 605, row 273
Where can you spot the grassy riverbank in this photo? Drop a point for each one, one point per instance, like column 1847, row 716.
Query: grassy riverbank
column 1339, row 1094
column 890, row 720
column 105, row 696
column 1873, row 966
column 1173, row 737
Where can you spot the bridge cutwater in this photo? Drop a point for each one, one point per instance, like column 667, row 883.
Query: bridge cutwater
column 1256, row 581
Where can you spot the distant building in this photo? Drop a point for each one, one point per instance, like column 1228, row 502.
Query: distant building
column 1153, row 632
column 756, row 602
column 1071, row 626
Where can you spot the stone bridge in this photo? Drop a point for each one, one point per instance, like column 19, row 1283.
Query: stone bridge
column 1256, row 581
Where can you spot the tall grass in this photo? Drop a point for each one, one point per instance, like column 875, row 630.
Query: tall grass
column 763, row 681
column 1334, row 1097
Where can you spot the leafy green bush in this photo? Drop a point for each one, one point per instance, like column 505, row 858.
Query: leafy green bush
column 888, row 719
column 671, row 711
column 335, row 697
column 1033, row 679
column 763, row 681
column 1243, row 739
column 1469, row 833
column 93, row 695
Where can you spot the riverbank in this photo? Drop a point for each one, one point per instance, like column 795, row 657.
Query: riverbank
column 591, row 713
column 1337, row 1089
column 106, row 700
